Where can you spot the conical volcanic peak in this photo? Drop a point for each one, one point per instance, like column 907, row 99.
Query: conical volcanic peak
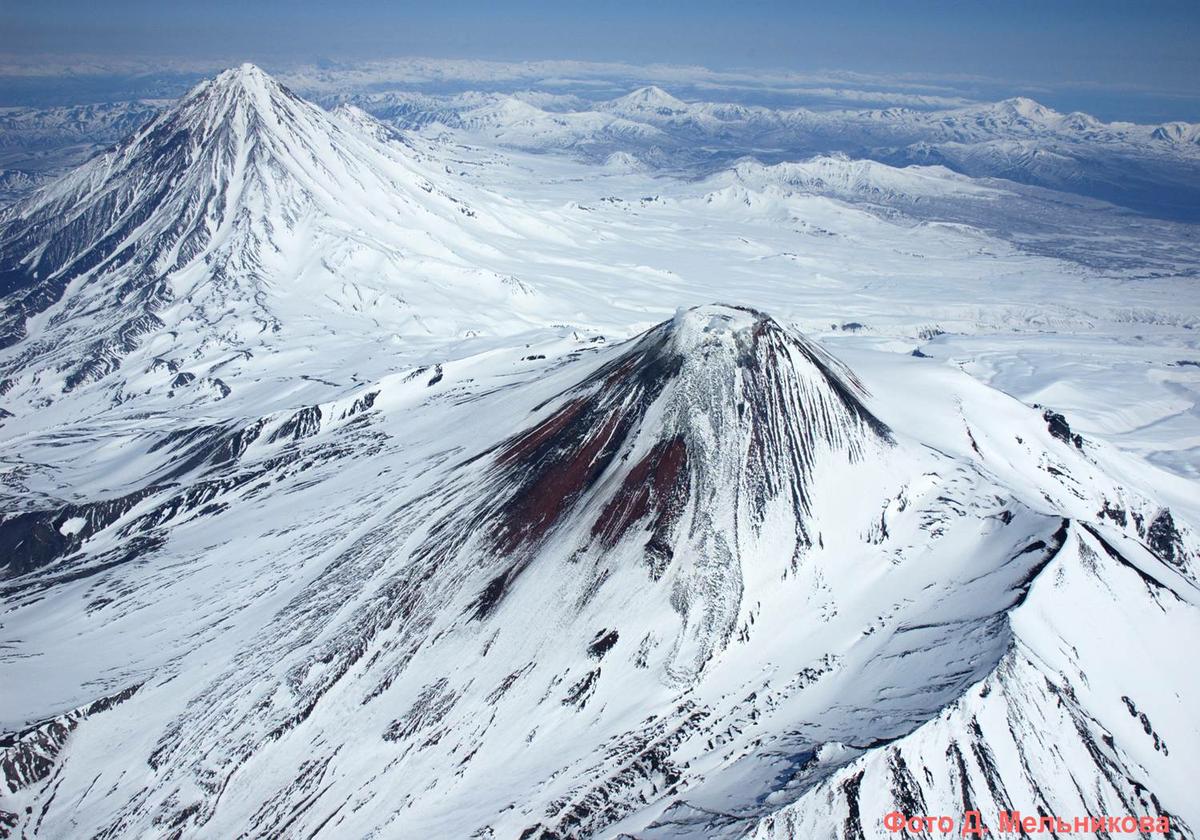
column 156, row 201
column 245, row 94
column 725, row 390
column 250, row 79
column 676, row 449
column 233, row 207
column 649, row 99
column 689, row 575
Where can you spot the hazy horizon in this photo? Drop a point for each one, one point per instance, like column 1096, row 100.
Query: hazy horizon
column 1114, row 60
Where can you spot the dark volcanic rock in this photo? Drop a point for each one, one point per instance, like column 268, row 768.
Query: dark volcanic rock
column 1059, row 427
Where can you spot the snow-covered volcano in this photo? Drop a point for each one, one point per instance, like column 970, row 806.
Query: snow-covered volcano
column 651, row 100
column 317, row 520
column 241, row 218
column 703, row 583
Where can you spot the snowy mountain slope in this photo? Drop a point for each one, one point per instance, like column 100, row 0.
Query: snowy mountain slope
column 652, row 582
column 40, row 144
column 570, row 246
column 241, row 241
column 1177, row 132
column 1070, row 700
column 462, row 567
column 187, row 228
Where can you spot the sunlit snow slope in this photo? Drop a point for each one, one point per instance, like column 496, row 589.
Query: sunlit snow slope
column 421, row 553
column 237, row 221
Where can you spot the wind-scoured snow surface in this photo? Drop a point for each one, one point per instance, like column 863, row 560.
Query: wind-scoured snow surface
column 370, row 477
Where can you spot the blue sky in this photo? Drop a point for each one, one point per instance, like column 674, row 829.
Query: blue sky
column 1101, row 51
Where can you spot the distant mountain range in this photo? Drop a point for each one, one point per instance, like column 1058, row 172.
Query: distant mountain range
column 1153, row 169
column 1150, row 168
